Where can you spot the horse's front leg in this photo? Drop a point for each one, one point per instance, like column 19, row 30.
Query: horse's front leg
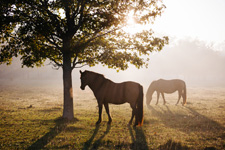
column 163, row 98
column 108, row 113
column 100, row 114
column 157, row 97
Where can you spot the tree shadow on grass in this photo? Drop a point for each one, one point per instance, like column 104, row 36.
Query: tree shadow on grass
column 97, row 143
column 138, row 138
column 61, row 125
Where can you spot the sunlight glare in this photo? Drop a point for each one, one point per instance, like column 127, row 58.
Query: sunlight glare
column 132, row 27
column 130, row 19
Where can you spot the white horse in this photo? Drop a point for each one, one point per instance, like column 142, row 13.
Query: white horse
column 166, row 86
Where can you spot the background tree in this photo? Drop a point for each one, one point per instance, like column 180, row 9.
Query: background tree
column 74, row 33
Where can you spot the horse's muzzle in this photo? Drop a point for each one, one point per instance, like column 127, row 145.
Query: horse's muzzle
column 82, row 88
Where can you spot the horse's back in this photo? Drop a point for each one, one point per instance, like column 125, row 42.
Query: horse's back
column 132, row 90
column 118, row 93
column 178, row 83
column 169, row 86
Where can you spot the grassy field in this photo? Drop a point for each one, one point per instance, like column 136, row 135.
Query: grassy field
column 30, row 119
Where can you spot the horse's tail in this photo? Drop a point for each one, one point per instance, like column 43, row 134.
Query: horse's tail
column 140, row 114
column 185, row 94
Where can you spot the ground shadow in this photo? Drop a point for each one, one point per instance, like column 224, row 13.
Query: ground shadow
column 190, row 122
column 171, row 145
column 211, row 124
column 97, row 143
column 194, row 121
column 61, row 125
column 138, row 138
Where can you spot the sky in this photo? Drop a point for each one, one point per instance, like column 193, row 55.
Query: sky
column 197, row 19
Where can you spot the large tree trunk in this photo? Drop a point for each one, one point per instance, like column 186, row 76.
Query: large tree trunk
column 67, row 85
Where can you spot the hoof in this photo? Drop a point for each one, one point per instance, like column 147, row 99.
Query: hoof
column 109, row 122
column 98, row 122
column 129, row 124
column 135, row 124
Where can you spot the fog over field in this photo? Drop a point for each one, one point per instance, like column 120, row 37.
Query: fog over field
column 191, row 60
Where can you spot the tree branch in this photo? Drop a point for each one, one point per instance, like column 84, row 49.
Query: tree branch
column 52, row 16
column 52, row 42
column 96, row 35
column 81, row 12
column 55, row 67
column 74, row 61
column 81, row 66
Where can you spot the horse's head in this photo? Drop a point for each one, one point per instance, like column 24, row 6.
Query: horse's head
column 89, row 78
column 84, row 79
column 148, row 98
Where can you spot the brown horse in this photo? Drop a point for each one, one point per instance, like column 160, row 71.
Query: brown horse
column 166, row 86
column 106, row 91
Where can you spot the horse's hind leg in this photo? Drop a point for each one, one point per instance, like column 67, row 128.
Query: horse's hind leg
column 179, row 96
column 133, row 113
column 107, row 111
column 132, row 117
column 163, row 98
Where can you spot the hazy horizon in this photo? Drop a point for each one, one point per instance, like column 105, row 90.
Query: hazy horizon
column 190, row 60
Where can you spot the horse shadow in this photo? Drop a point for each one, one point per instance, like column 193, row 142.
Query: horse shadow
column 171, row 145
column 186, row 122
column 60, row 126
column 97, row 143
column 138, row 139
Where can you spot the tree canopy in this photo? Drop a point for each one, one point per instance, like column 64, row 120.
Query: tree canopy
column 89, row 31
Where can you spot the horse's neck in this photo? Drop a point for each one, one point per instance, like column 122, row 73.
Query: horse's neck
column 151, row 90
column 97, row 83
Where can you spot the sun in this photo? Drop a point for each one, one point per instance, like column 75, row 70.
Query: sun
column 132, row 27
column 130, row 19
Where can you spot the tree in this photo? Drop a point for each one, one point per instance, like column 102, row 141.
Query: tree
column 74, row 33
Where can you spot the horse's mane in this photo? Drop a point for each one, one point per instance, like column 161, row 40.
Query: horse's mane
column 97, row 74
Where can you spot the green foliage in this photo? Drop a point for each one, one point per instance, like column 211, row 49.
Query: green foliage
column 89, row 31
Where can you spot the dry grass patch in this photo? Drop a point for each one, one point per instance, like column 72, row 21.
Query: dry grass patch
column 30, row 118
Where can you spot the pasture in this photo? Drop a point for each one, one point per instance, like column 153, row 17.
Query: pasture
column 30, row 119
